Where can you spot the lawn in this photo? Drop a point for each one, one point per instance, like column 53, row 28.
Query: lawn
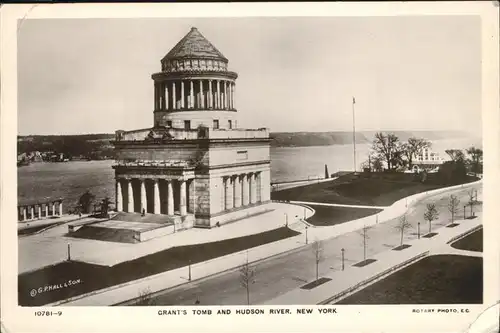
column 328, row 215
column 96, row 277
column 440, row 279
column 378, row 189
column 472, row 242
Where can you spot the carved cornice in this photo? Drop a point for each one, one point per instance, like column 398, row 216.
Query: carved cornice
column 193, row 74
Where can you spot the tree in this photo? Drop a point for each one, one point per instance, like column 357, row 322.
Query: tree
column 365, row 237
column 317, row 248
column 413, row 147
column 453, row 206
column 403, row 224
column 86, row 201
column 327, row 175
column 386, row 147
column 431, row 214
column 476, row 159
column 452, row 172
column 455, row 154
column 377, row 164
column 247, row 275
column 145, row 298
column 472, row 199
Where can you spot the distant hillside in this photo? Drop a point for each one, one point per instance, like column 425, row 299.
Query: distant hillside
column 304, row 139
column 86, row 143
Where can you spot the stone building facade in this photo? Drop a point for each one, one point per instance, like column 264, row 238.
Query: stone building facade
column 195, row 164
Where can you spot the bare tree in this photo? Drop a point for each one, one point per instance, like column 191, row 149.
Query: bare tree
column 247, row 275
column 455, row 154
column 431, row 214
column 403, row 224
column 145, row 298
column 472, row 199
column 386, row 147
column 317, row 248
column 453, row 206
column 365, row 237
column 413, row 147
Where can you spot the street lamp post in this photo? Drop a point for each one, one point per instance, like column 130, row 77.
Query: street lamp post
column 418, row 230
column 189, row 272
column 69, row 252
column 304, row 213
column 286, row 220
column 306, row 236
column 464, row 211
column 342, row 258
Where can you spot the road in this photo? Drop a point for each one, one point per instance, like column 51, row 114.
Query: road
column 285, row 272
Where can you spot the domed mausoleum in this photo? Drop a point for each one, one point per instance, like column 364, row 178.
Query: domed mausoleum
column 195, row 166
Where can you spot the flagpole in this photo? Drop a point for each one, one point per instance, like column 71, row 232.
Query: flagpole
column 354, row 133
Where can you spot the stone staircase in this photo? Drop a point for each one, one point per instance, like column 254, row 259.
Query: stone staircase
column 148, row 218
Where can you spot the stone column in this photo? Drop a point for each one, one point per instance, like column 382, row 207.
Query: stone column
column 218, row 95
column 174, row 99
column 191, row 94
column 53, row 209
column 60, row 208
column 228, row 199
column 237, row 192
column 183, row 199
column 210, row 95
column 170, row 198
column 233, row 88
column 258, row 188
column 46, row 210
column 253, row 188
column 226, row 98
column 130, row 201
column 246, row 190
column 165, row 94
column 24, row 214
column 144, row 204
column 39, row 211
column 157, row 97
column 119, row 201
column 183, row 96
column 32, row 212
column 156, row 196
column 202, row 95
column 230, row 95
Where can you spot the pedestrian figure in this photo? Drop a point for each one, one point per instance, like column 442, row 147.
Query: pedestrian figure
column 217, row 224
column 197, row 302
column 143, row 212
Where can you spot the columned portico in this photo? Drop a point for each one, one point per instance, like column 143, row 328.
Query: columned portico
column 237, row 191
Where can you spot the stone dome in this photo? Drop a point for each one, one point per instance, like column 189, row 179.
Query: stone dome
column 194, row 52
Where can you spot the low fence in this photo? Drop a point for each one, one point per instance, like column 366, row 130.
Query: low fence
column 465, row 234
column 373, row 278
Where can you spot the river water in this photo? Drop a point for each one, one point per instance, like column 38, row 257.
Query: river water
column 45, row 181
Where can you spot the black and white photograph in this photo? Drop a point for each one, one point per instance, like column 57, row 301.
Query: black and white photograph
column 264, row 162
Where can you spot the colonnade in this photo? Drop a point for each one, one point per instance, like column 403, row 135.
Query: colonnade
column 194, row 94
column 127, row 202
column 40, row 210
column 242, row 190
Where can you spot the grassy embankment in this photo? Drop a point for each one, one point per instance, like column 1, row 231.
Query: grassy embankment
column 375, row 189
column 441, row 279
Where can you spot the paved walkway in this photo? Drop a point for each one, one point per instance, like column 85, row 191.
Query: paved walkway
column 337, row 205
column 351, row 276
column 49, row 221
column 50, row 247
column 176, row 277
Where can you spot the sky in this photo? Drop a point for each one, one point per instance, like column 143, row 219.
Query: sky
column 80, row 76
